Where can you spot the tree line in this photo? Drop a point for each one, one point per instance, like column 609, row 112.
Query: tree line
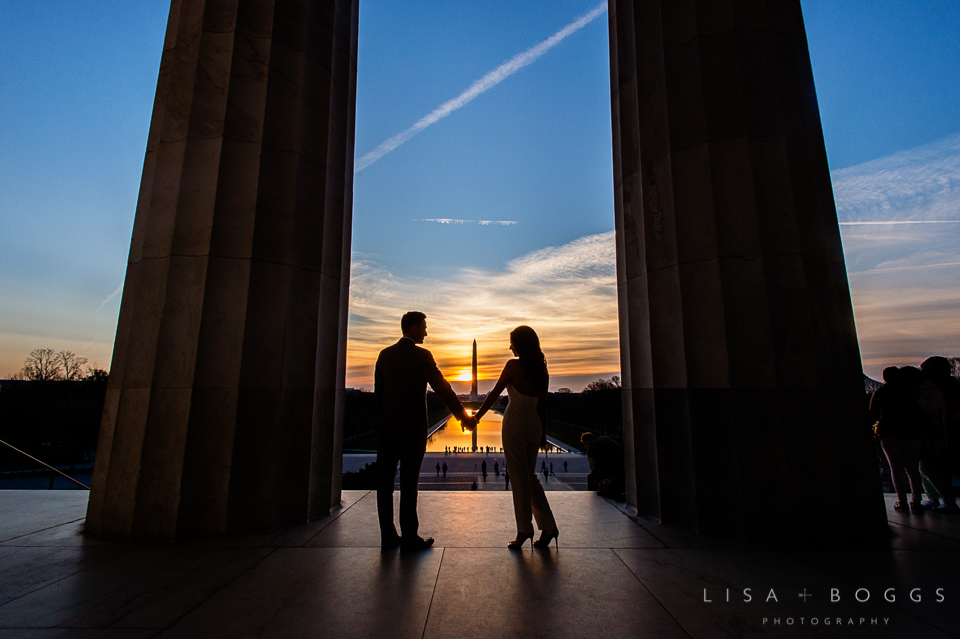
column 47, row 365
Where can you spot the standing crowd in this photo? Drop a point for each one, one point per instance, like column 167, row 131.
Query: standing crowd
column 916, row 416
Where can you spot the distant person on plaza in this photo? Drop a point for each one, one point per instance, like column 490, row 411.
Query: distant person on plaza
column 932, row 418
column 438, row 469
column 938, row 372
column 524, row 432
column 551, row 468
column 474, row 486
column 496, row 469
column 483, row 468
column 401, row 376
column 564, row 465
column 891, row 409
column 506, row 479
column 444, row 468
column 606, row 462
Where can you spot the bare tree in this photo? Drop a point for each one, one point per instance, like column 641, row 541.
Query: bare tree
column 71, row 364
column 96, row 374
column 603, row 384
column 42, row 364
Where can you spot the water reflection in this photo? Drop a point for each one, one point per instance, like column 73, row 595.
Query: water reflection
column 450, row 435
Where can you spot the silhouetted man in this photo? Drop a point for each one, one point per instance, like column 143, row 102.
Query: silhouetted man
column 400, row 385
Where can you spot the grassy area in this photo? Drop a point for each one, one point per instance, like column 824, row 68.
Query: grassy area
column 565, row 433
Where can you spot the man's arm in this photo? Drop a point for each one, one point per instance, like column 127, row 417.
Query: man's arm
column 444, row 391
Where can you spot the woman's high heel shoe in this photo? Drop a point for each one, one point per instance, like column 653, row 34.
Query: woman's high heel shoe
column 546, row 537
column 517, row 544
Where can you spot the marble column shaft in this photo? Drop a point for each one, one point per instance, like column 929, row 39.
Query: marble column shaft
column 225, row 395
column 743, row 396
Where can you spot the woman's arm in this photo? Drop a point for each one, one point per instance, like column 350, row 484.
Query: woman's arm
column 505, row 376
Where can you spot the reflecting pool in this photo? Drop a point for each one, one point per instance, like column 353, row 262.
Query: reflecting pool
column 450, row 434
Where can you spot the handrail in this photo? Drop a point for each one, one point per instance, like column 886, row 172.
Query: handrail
column 44, row 464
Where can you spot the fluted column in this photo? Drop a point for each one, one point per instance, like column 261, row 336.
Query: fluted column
column 743, row 386
column 222, row 407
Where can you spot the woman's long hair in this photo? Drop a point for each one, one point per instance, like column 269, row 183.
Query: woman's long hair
column 532, row 360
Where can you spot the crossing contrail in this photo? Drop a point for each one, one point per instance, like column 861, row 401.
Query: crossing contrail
column 485, row 83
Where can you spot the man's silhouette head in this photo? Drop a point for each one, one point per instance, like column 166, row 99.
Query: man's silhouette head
column 414, row 326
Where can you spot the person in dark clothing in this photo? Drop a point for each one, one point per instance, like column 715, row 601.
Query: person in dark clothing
column 483, row 468
column 931, row 413
column 938, row 372
column 444, row 468
column 896, row 426
column 606, row 462
column 401, row 376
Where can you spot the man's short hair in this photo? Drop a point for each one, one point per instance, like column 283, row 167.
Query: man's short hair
column 411, row 319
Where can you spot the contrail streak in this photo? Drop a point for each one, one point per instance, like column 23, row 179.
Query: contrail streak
column 111, row 296
column 485, row 83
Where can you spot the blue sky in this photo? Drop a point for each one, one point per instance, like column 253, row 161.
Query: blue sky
column 77, row 88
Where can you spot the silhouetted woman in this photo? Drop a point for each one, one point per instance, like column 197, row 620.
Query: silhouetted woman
column 524, row 432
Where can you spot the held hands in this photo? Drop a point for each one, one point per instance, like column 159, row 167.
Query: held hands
column 468, row 423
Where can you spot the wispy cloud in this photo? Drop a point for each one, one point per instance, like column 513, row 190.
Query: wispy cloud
column 567, row 293
column 448, row 220
column 917, row 184
column 487, row 82
column 900, row 224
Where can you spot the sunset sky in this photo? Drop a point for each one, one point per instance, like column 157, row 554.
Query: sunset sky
column 484, row 190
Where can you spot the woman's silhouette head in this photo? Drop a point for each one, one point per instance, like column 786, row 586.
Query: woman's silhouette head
column 525, row 343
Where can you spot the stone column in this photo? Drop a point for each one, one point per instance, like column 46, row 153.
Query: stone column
column 226, row 388
column 744, row 400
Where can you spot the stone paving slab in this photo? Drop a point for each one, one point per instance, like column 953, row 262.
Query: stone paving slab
column 613, row 575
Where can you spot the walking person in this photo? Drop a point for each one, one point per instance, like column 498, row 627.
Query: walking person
column 444, row 469
column 401, row 376
column 524, row 432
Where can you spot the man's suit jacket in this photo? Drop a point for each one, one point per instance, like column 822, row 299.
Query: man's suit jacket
column 400, row 385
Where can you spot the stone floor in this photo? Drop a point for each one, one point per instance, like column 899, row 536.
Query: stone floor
column 612, row 576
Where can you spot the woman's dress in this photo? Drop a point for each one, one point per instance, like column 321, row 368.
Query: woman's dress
column 521, row 441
